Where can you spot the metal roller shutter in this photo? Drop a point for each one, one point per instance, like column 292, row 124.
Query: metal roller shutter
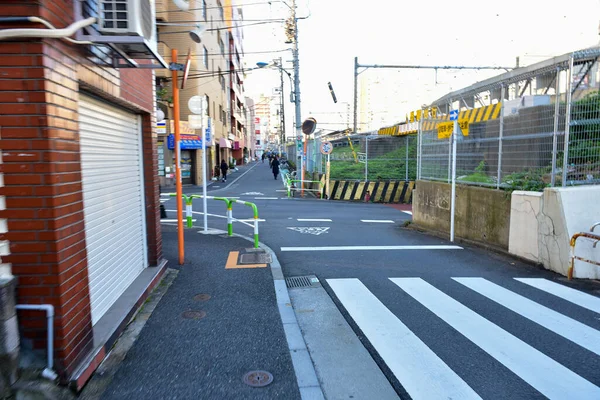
column 113, row 200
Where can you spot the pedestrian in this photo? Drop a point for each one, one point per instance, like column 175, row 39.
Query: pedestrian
column 275, row 166
column 224, row 168
column 263, row 157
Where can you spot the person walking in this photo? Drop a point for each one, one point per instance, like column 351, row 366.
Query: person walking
column 275, row 166
column 224, row 168
column 263, row 157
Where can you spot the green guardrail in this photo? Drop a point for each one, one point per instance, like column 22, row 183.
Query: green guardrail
column 229, row 203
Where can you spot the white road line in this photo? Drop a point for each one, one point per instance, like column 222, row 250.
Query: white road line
column 584, row 300
column 281, row 190
column 540, row 371
column 266, row 198
column 558, row 323
column 420, row 371
column 407, row 212
column 313, row 220
column 239, row 177
column 381, row 221
column 351, row 248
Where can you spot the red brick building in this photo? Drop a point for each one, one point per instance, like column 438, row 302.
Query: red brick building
column 80, row 161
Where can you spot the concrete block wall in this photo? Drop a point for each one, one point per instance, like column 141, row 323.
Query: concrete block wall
column 482, row 215
column 542, row 225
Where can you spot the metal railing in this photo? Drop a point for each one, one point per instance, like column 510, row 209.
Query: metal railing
column 573, row 242
column 230, row 219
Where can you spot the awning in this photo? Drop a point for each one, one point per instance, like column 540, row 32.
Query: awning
column 224, row 143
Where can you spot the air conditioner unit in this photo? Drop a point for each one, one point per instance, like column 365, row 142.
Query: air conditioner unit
column 128, row 18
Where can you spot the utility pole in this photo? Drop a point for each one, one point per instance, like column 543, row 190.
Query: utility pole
column 282, row 137
column 434, row 67
column 299, row 135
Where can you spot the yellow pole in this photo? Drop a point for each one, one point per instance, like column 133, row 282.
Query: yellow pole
column 178, row 188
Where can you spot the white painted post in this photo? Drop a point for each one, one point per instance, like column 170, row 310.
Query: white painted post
column 204, row 203
column 453, row 194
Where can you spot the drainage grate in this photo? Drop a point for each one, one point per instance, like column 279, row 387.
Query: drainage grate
column 301, row 281
column 255, row 258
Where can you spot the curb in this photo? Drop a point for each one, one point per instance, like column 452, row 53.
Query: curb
column 306, row 376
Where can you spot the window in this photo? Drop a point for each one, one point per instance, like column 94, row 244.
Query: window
column 207, row 102
column 221, row 79
column 205, row 57
column 220, row 113
column 204, row 9
column 221, row 11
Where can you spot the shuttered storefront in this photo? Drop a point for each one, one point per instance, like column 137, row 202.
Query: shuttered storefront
column 113, row 198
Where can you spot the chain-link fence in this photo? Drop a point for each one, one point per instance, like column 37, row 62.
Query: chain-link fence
column 517, row 137
column 366, row 157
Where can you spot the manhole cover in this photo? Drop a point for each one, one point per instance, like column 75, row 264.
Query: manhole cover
column 255, row 258
column 193, row 314
column 202, row 297
column 257, row 378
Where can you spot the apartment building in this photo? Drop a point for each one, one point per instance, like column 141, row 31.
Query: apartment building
column 216, row 75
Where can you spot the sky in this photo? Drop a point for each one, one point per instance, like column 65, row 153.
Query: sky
column 392, row 32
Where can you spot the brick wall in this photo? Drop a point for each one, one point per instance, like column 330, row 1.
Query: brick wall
column 40, row 82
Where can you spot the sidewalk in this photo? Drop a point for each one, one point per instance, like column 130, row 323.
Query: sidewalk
column 192, row 189
column 203, row 358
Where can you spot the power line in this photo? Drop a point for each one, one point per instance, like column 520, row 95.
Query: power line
column 216, row 7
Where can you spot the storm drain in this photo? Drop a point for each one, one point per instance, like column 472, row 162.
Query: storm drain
column 301, row 281
column 255, row 258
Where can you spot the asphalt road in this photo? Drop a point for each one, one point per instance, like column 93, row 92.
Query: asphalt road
column 432, row 333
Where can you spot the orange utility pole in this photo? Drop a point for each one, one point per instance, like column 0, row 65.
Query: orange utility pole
column 178, row 188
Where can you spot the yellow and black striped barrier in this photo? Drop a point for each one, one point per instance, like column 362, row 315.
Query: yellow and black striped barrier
column 379, row 191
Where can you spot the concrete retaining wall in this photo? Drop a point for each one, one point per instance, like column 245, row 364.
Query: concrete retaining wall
column 543, row 224
column 482, row 215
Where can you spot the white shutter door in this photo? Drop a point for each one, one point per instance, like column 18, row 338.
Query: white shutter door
column 113, row 200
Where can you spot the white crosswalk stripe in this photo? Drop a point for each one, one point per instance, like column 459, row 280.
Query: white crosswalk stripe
column 566, row 327
column 540, row 371
column 424, row 375
column 574, row 296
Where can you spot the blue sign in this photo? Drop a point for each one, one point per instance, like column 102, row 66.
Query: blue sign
column 187, row 142
column 208, row 131
column 453, row 115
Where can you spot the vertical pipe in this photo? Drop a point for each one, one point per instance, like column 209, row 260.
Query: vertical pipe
column 453, row 194
column 327, row 169
column 500, row 137
column 366, row 158
column 229, row 220
column 256, row 231
column 355, row 91
column 406, row 161
column 555, row 133
column 567, row 123
column 204, row 205
column 178, row 187
column 188, row 213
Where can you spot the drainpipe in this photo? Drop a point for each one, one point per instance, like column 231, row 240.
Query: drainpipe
column 47, row 373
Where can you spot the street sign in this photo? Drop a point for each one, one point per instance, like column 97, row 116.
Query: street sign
column 362, row 157
column 326, row 148
column 208, row 131
column 453, row 115
column 195, row 104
